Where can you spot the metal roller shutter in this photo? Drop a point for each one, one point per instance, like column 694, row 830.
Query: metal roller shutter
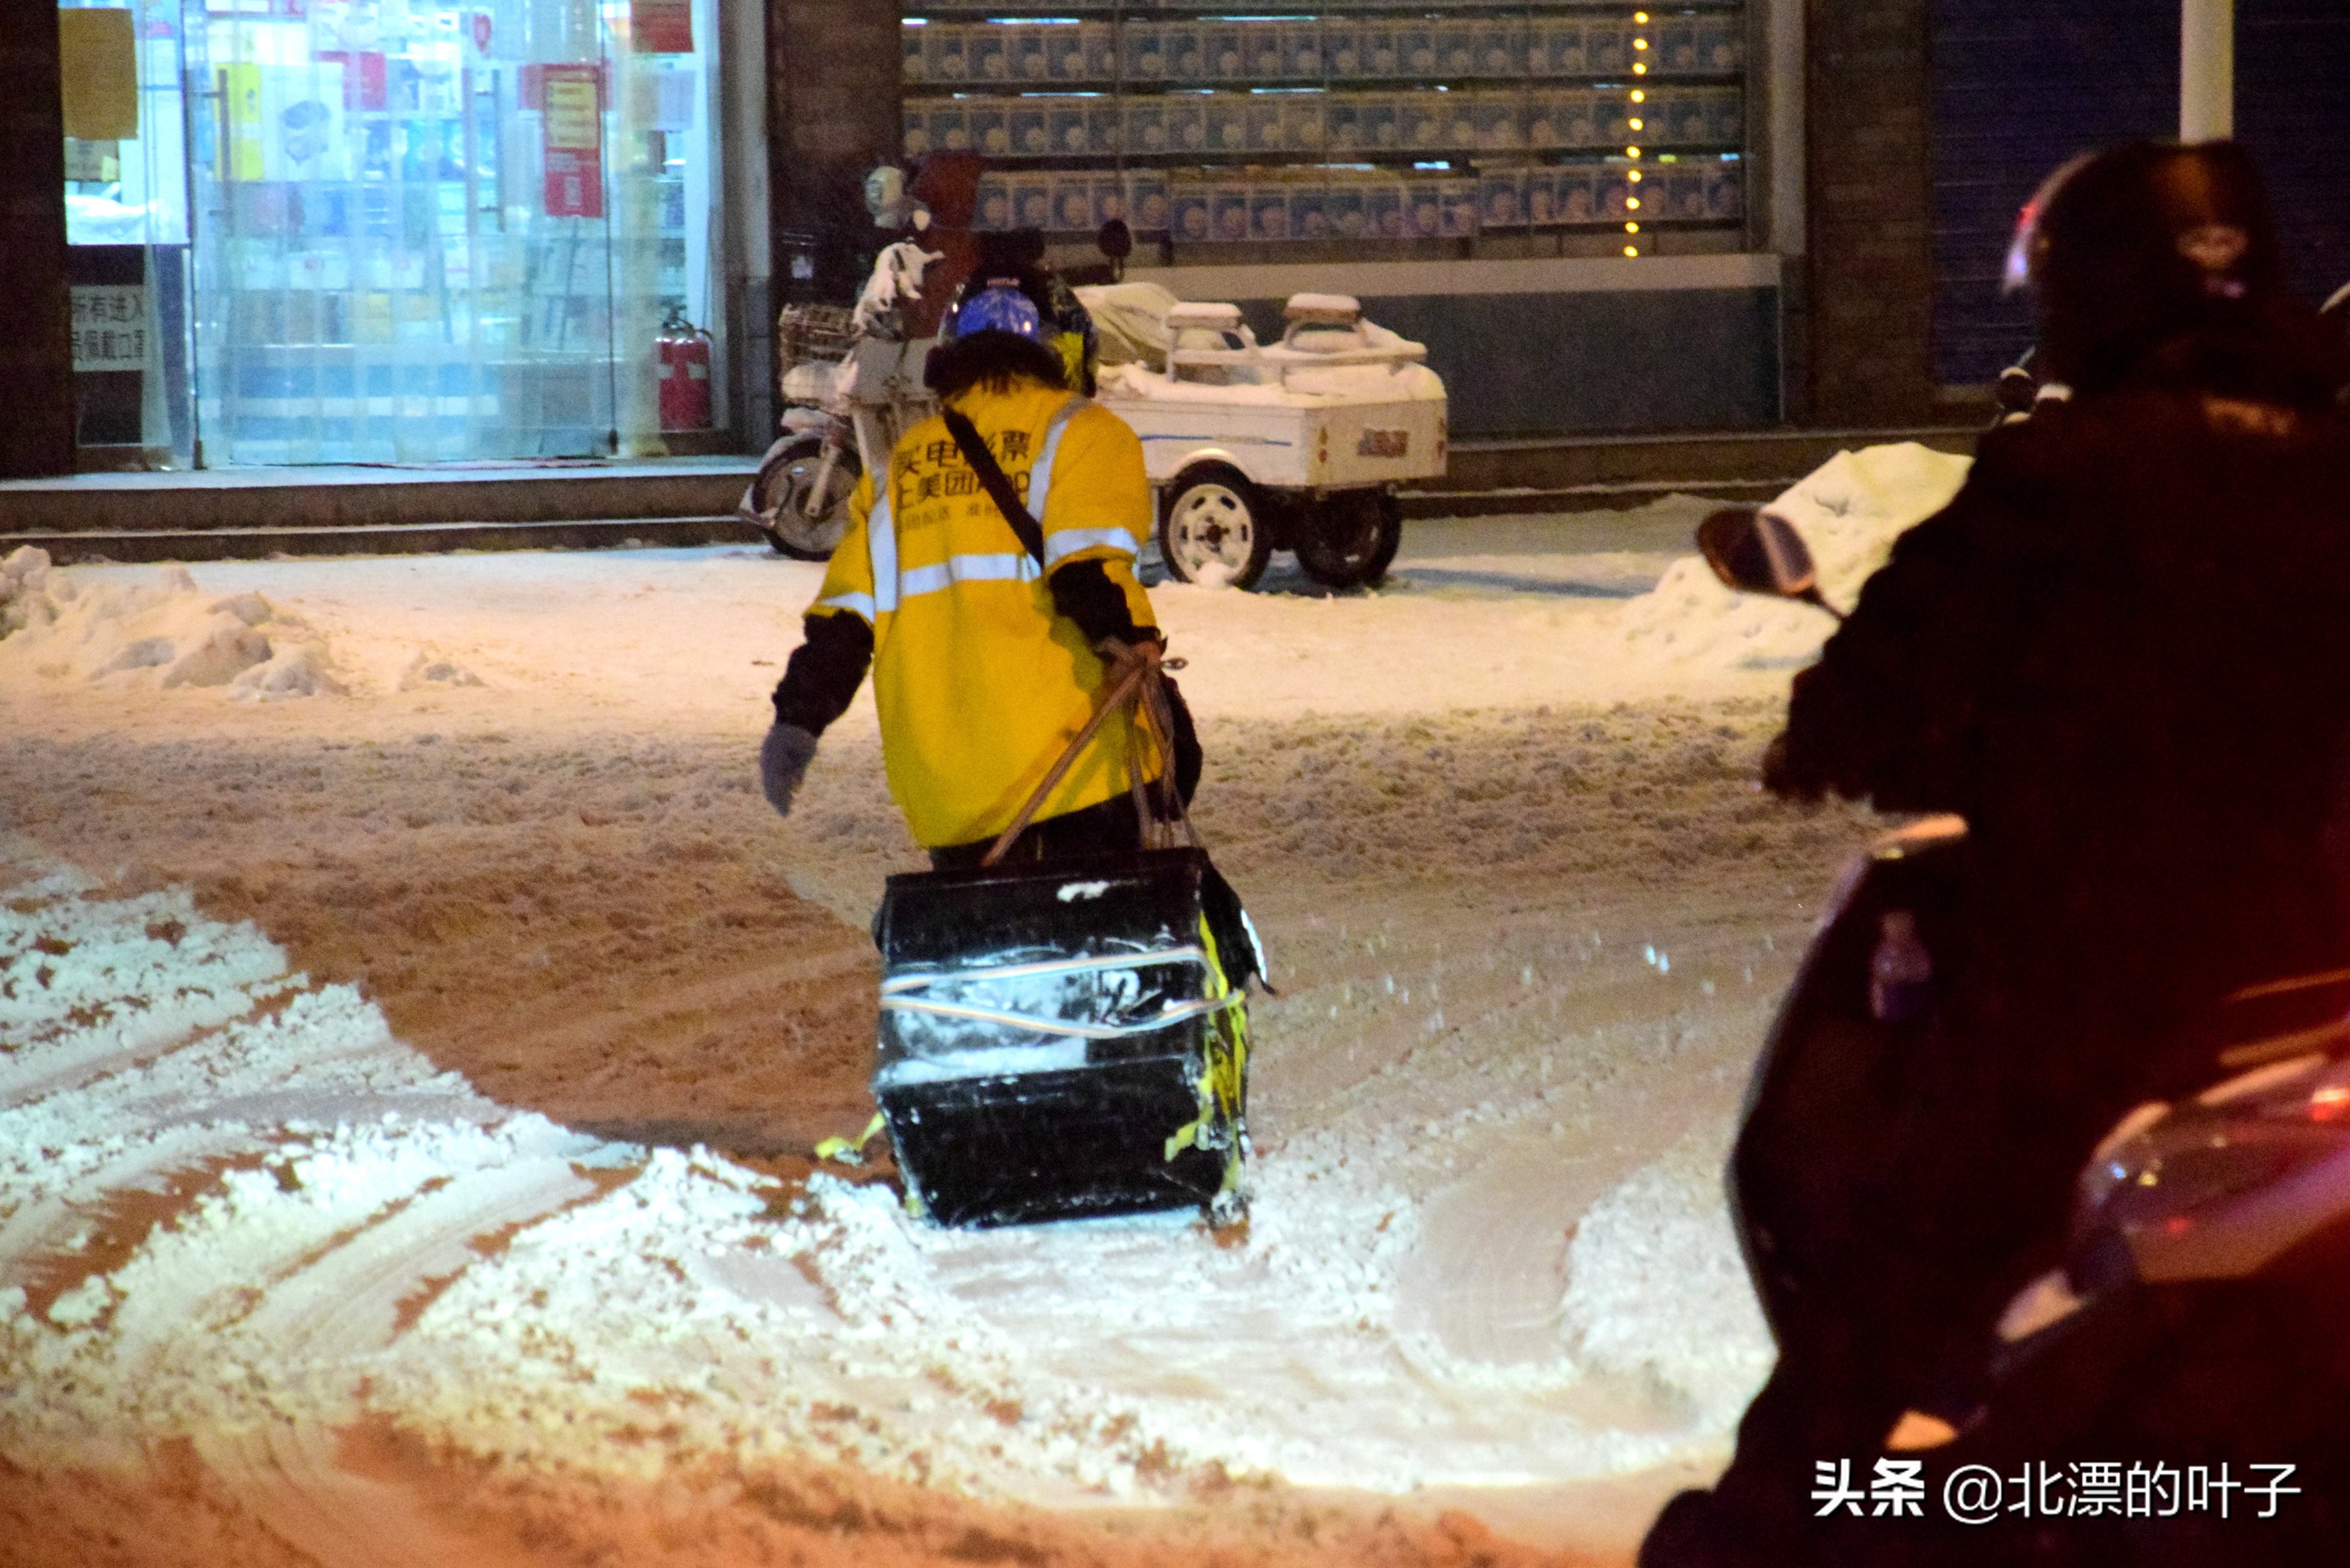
column 2016, row 90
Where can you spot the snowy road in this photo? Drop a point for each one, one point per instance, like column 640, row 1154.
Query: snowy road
column 451, row 1205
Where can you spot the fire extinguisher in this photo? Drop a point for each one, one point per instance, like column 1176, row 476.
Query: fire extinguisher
column 684, row 351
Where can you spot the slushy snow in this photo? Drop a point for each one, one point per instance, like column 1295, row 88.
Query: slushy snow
column 237, row 1208
column 350, row 1176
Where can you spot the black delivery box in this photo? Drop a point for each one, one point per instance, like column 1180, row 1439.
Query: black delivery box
column 1065, row 1041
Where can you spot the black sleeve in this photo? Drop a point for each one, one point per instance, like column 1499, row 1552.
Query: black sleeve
column 1892, row 711
column 1189, row 758
column 825, row 672
column 1083, row 592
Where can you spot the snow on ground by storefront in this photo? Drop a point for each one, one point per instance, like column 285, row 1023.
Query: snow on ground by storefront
column 1481, row 612
column 161, row 633
column 1496, row 827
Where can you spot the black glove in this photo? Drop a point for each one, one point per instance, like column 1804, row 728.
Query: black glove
column 1782, row 775
column 783, row 758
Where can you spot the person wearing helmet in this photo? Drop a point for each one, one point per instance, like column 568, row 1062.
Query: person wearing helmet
column 987, row 661
column 2122, row 653
column 1069, row 327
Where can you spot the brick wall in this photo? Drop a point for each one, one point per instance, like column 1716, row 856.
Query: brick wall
column 1869, row 275
column 36, row 333
column 832, row 114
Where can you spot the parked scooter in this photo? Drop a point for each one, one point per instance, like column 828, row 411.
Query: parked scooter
column 852, row 385
column 2195, row 1331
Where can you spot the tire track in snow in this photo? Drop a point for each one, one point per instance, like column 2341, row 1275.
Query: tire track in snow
column 280, row 1185
column 507, row 1366
column 89, row 988
column 334, row 1314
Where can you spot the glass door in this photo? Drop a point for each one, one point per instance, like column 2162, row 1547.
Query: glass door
column 125, row 186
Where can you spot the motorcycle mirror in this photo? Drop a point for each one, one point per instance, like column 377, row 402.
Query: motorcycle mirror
column 1759, row 553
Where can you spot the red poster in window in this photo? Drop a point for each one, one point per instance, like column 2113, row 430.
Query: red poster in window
column 364, row 79
column 661, row 27
column 573, row 131
column 574, row 184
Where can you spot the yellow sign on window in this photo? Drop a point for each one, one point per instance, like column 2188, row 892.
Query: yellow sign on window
column 99, row 70
column 241, row 90
column 572, row 123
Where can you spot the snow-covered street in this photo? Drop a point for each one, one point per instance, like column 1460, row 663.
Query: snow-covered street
column 413, row 1028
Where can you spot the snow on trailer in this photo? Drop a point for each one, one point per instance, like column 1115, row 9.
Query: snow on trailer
column 1295, row 445
column 1256, row 447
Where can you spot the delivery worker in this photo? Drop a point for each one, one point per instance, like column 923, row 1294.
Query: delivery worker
column 988, row 656
column 1068, row 325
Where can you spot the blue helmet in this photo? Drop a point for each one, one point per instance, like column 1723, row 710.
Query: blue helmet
column 1001, row 306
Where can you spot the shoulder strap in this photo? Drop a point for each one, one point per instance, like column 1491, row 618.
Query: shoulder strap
column 993, row 479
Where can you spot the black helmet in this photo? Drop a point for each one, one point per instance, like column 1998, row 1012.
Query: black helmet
column 2142, row 247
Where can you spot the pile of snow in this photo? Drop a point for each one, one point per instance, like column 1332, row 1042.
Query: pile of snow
column 163, row 633
column 1131, row 319
column 1285, row 379
column 430, row 668
column 1849, row 511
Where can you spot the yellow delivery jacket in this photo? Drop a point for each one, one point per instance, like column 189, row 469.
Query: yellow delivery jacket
column 981, row 686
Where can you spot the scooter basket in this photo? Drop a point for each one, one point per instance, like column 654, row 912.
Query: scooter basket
column 813, row 332
column 1067, row 1041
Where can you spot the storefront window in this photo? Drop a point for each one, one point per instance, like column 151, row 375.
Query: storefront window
column 129, row 187
column 421, row 230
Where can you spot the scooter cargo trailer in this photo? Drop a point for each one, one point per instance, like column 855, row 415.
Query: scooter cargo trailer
column 1295, row 445
column 1067, row 1041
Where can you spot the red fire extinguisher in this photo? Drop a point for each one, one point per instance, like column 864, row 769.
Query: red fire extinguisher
column 683, row 352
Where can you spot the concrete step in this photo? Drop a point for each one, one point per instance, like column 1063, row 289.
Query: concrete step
column 233, row 513
column 246, row 513
column 136, row 544
column 361, row 496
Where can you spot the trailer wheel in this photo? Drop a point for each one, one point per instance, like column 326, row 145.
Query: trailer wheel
column 776, row 501
column 1349, row 538
column 1216, row 528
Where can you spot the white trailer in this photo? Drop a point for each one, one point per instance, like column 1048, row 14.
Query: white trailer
column 1255, row 447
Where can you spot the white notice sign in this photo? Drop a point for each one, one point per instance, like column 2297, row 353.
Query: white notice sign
column 109, row 326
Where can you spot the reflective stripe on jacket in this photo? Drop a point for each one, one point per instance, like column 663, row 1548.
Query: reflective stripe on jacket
column 980, row 685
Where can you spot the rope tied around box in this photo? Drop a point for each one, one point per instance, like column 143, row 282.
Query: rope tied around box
column 1137, row 688
column 897, row 994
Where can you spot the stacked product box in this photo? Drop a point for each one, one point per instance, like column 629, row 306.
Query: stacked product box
column 1277, row 124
